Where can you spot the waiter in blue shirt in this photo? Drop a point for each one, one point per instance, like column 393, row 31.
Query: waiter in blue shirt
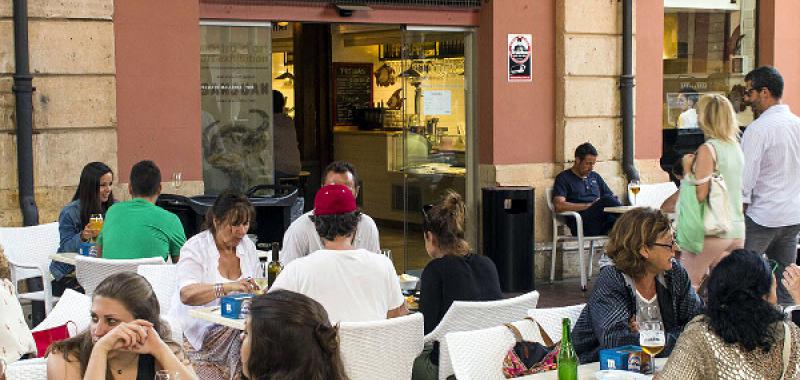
column 581, row 189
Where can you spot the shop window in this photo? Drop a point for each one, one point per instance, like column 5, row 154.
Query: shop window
column 709, row 46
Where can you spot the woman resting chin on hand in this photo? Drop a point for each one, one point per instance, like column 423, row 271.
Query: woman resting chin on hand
column 124, row 340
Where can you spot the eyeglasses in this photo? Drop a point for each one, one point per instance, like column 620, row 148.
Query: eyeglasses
column 671, row 245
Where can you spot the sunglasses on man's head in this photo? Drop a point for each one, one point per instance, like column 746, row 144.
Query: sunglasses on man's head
column 426, row 209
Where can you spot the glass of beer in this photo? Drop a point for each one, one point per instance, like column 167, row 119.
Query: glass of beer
column 96, row 223
column 634, row 188
column 652, row 340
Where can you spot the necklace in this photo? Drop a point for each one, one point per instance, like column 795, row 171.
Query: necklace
column 120, row 369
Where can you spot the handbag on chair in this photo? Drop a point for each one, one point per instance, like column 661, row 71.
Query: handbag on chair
column 527, row 358
column 44, row 338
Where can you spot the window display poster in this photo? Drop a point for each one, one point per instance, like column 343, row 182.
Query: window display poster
column 437, row 102
column 236, row 107
column 520, row 50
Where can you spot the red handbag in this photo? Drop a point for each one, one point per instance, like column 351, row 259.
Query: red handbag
column 44, row 338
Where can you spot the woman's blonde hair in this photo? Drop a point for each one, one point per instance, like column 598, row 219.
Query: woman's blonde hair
column 633, row 231
column 717, row 118
column 5, row 272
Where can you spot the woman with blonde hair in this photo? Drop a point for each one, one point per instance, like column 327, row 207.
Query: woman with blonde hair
column 721, row 154
column 644, row 283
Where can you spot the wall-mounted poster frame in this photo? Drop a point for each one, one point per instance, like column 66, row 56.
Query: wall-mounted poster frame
column 352, row 89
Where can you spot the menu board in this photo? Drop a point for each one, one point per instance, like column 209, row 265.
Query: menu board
column 352, row 89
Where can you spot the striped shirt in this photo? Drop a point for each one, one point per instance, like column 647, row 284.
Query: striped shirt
column 771, row 182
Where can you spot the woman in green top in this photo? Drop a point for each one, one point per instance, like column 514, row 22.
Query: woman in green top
column 722, row 154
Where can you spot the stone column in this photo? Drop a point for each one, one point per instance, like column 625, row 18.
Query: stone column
column 74, row 121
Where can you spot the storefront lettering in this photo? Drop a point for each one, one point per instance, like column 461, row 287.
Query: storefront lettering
column 235, row 89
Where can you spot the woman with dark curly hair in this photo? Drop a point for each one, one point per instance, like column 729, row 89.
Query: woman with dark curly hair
column 742, row 335
column 352, row 284
column 287, row 336
column 644, row 283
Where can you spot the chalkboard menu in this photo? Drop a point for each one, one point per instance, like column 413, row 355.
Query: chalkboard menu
column 352, row 89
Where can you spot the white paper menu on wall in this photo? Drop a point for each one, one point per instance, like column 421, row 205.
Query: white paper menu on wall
column 437, row 102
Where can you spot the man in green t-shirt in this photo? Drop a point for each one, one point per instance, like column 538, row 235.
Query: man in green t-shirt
column 138, row 228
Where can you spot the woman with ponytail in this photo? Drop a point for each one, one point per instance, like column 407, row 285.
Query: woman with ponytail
column 455, row 273
column 742, row 334
column 288, row 337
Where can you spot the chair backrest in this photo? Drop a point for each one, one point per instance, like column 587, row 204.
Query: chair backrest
column 468, row 316
column 164, row 280
column 557, row 219
column 29, row 369
column 29, row 246
column 92, row 270
column 383, row 349
column 479, row 354
column 550, row 318
column 72, row 306
column 653, row 194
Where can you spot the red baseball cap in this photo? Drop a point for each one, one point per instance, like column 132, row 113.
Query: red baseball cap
column 334, row 199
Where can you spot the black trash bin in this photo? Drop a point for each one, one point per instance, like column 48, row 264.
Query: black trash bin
column 508, row 235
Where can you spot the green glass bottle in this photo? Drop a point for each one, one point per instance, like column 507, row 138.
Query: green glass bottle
column 567, row 358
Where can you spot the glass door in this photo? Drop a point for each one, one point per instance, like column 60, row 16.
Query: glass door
column 437, row 125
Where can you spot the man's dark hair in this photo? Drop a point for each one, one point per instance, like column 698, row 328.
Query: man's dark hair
column 330, row 226
column 278, row 101
column 145, row 179
column 690, row 94
column 585, row 149
column 766, row 76
column 340, row 167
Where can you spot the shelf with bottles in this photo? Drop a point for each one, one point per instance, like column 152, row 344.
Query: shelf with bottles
column 421, row 50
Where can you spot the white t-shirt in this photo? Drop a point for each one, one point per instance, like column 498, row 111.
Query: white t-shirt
column 199, row 264
column 353, row 286
column 301, row 238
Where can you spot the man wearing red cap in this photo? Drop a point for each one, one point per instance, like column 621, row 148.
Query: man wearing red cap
column 352, row 284
column 301, row 237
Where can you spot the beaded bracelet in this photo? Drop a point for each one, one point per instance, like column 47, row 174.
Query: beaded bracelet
column 218, row 290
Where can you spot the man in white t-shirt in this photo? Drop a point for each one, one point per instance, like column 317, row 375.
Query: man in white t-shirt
column 301, row 237
column 352, row 284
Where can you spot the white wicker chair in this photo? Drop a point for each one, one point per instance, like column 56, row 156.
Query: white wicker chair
column 653, row 194
column 164, row 281
column 550, row 318
column 468, row 316
column 28, row 250
column 91, row 270
column 478, row 355
column 72, row 306
column 559, row 221
column 383, row 349
column 30, row 369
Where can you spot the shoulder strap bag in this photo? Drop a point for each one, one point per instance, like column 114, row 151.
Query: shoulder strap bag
column 716, row 216
column 527, row 358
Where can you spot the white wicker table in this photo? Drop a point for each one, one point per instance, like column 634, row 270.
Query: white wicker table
column 212, row 314
column 586, row 371
column 64, row 257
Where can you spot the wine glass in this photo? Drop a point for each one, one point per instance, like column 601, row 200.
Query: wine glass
column 177, row 180
column 652, row 340
column 634, row 187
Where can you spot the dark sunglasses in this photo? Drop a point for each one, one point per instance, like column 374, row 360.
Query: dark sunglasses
column 426, row 210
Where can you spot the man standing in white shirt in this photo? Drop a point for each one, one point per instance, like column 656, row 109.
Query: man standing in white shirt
column 352, row 284
column 771, row 180
column 301, row 237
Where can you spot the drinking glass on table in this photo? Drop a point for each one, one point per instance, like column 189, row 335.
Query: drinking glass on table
column 634, row 188
column 652, row 340
column 177, row 180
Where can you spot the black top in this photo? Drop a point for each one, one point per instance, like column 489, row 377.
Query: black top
column 147, row 367
column 580, row 190
column 455, row 278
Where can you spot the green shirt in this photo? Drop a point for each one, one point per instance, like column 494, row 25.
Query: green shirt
column 138, row 229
